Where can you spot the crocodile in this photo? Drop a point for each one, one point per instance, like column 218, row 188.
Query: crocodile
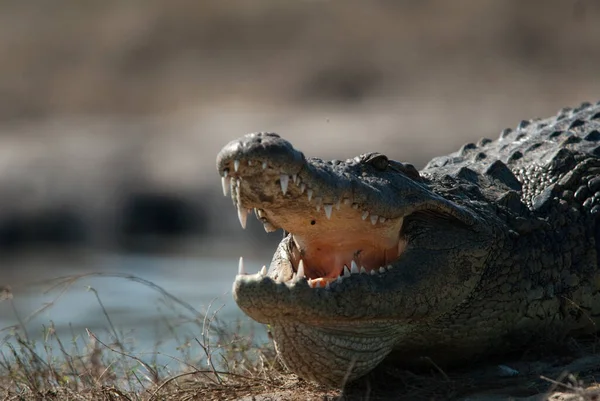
column 491, row 249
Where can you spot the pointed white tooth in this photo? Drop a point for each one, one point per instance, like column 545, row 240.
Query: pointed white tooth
column 355, row 206
column 236, row 165
column 365, row 215
column 381, row 269
column 309, row 194
column 284, row 179
column 363, row 270
column 242, row 215
column 328, row 209
column 339, row 279
column 311, row 283
column 346, row 201
column 269, row 227
column 319, row 202
column 225, row 182
column 302, row 188
column 382, row 219
column 250, row 162
column 327, row 285
column 372, row 272
column 263, row 271
column 353, row 267
column 318, row 284
column 301, row 269
column 225, row 172
column 294, row 277
column 337, row 204
column 241, row 266
column 264, row 165
column 374, row 219
column 390, row 267
column 346, row 271
column 295, row 178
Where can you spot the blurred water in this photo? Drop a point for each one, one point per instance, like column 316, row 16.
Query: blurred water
column 141, row 315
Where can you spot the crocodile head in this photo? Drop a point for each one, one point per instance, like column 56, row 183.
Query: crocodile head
column 372, row 255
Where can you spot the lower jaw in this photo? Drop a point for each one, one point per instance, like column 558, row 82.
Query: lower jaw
column 336, row 355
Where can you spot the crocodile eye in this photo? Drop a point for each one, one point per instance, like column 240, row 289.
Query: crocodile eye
column 380, row 162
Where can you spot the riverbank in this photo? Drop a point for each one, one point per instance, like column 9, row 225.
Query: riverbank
column 226, row 361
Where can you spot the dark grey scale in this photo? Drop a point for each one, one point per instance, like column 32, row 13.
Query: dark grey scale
column 564, row 113
column 594, row 184
column 466, row 148
column 555, row 134
column 576, row 123
column 592, row 136
column 570, row 139
column 516, row 155
column 505, row 132
column 523, row 124
column 483, row 141
column 582, row 107
column 480, row 156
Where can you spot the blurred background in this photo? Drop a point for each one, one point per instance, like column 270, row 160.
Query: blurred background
column 112, row 113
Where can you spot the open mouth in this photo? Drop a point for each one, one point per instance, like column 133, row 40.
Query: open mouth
column 331, row 237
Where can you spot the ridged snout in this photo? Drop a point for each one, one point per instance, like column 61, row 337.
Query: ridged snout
column 261, row 146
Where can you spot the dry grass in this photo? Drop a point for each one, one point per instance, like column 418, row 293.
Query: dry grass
column 232, row 366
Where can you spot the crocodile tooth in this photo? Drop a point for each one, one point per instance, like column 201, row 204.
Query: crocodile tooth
column 236, row 165
column 311, row 283
column 284, row 179
column 295, row 178
column 327, row 285
column 302, row 188
column 390, row 267
column 382, row 219
column 374, row 219
column 309, row 194
column 328, row 209
column 339, row 279
column 263, row 271
column 300, row 269
column 241, row 266
column 232, row 187
column 269, row 227
column 346, row 271
column 242, row 215
column 365, row 215
column 264, row 165
column 381, row 269
column 363, row 270
column 225, row 182
column 338, row 204
column 318, row 284
column 355, row 206
column 319, row 202
column 225, row 172
column 372, row 272
column 353, row 267
column 250, row 162
column 346, row 201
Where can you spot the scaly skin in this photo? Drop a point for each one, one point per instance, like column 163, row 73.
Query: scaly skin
column 484, row 251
